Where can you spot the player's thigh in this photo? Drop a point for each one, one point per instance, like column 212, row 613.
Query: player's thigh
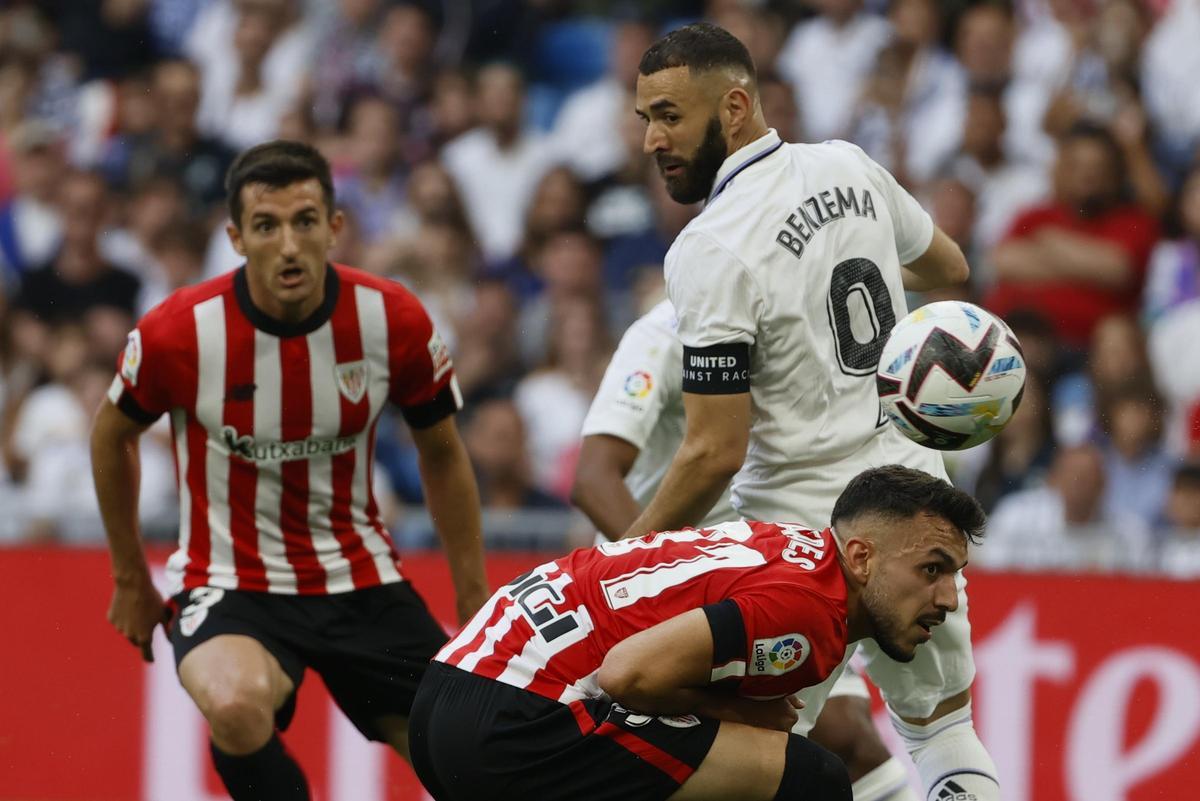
column 943, row 668
column 231, row 669
column 373, row 668
column 744, row 764
column 814, row 697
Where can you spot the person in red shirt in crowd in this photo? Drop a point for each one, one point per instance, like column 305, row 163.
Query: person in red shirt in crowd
column 664, row 666
column 1082, row 256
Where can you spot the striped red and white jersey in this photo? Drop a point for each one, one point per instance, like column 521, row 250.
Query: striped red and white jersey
column 774, row 593
column 274, row 426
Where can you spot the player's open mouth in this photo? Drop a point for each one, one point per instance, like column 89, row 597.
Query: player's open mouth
column 291, row 276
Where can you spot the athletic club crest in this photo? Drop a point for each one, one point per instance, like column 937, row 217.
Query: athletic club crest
column 351, row 380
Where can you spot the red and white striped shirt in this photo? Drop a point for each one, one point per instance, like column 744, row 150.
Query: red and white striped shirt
column 274, row 426
column 781, row 626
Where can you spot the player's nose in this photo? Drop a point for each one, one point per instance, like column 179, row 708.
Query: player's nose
column 655, row 140
column 946, row 594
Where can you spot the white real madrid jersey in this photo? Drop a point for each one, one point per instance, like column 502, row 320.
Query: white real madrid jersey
column 797, row 254
column 640, row 401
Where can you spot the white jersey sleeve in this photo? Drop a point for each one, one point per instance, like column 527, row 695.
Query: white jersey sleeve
column 714, row 294
column 640, row 381
column 912, row 224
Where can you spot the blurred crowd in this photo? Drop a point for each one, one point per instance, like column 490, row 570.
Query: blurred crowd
column 487, row 157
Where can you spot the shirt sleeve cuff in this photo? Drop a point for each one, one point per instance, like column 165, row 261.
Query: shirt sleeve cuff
column 729, row 639
column 444, row 404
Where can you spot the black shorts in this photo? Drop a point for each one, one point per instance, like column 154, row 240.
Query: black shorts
column 371, row 647
column 475, row 739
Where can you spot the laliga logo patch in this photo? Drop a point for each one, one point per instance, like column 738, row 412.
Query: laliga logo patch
column 780, row 655
column 131, row 358
column 638, row 384
column 351, row 380
column 439, row 354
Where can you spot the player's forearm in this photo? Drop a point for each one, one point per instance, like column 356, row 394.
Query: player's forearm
column 605, row 499
column 941, row 265
column 116, row 473
column 693, row 484
column 452, row 498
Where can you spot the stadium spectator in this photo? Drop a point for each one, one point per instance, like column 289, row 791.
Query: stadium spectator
column 30, row 221
column 498, row 165
column 559, row 204
column 451, row 112
column 828, row 59
column 909, row 118
column 567, row 265
column 175, row 148
column 1139, row 470
column 1117, row 357
column 347, row 56
column 1180, row 525
column 153, row 205
column 1063, row 525
column 586, row 131
column 406, row 41
column 495, row 439
column 250, row 55
column 554, row 399
column 629, row 253
column 1002, row 186
column 486, row 359
column 1177, row 374
column 1083, row 255
column 1170, row 64
column 372, row 188
column 79, row 283
column 177, row 251
column 779, row 106
column 1174, row 275
column 432, row 200
column 1018, row 458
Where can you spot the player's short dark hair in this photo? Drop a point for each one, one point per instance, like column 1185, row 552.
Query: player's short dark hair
column 700, row 47
column 276, row 164
column 902, row 492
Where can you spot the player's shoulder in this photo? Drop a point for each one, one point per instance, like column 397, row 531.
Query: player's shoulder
column 396, row 296
column 658, row 323
column 175, row 310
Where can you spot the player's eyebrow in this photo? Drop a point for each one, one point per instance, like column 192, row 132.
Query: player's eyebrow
column 662, row 105
column 947, row 558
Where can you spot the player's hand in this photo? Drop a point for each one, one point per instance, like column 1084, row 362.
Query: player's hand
column 779, row 714
column 136, row 608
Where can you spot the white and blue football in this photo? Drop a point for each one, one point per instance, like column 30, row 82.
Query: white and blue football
column 951, row 375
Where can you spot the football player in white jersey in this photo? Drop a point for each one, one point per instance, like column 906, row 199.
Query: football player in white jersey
column 632, row 430
column 786, row 287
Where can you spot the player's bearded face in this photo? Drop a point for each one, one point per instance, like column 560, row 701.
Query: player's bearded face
column 692, row 182
column 892, row 633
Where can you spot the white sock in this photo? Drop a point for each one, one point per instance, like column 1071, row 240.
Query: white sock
column 953, row 763
column 888, row 782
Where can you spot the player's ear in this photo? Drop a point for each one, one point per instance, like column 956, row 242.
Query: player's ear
column 336, row 223
column 736, row 107
column 858, row 553
column 235, row 238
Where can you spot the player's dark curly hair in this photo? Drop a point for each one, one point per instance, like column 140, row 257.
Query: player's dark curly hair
column 277, row 164
column 901, row 492
column 700, row 47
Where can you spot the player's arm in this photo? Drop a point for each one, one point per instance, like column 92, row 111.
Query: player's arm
column 452, row 498
column 599, row 489
column 635, row 675
column 136, row 606
column 713, row 448
column 941, row 265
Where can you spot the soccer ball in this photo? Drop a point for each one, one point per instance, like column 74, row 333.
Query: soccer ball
column 951, row 375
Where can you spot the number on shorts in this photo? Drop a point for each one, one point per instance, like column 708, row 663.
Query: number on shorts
column 859, row 277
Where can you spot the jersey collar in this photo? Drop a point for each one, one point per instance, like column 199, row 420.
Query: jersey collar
column 742, row 158
column 278, row 328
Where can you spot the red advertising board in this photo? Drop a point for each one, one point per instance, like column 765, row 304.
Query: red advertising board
column 1088, row 689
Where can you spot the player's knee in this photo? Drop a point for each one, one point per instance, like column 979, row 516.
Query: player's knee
column 811, row 772
column 238, row 715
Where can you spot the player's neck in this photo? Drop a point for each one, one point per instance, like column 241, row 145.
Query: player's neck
column 856, row 623
column 752, row 131
column 284, row 311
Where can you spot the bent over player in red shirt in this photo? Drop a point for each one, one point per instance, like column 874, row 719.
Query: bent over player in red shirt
column 663, row 667
column 274, row 377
